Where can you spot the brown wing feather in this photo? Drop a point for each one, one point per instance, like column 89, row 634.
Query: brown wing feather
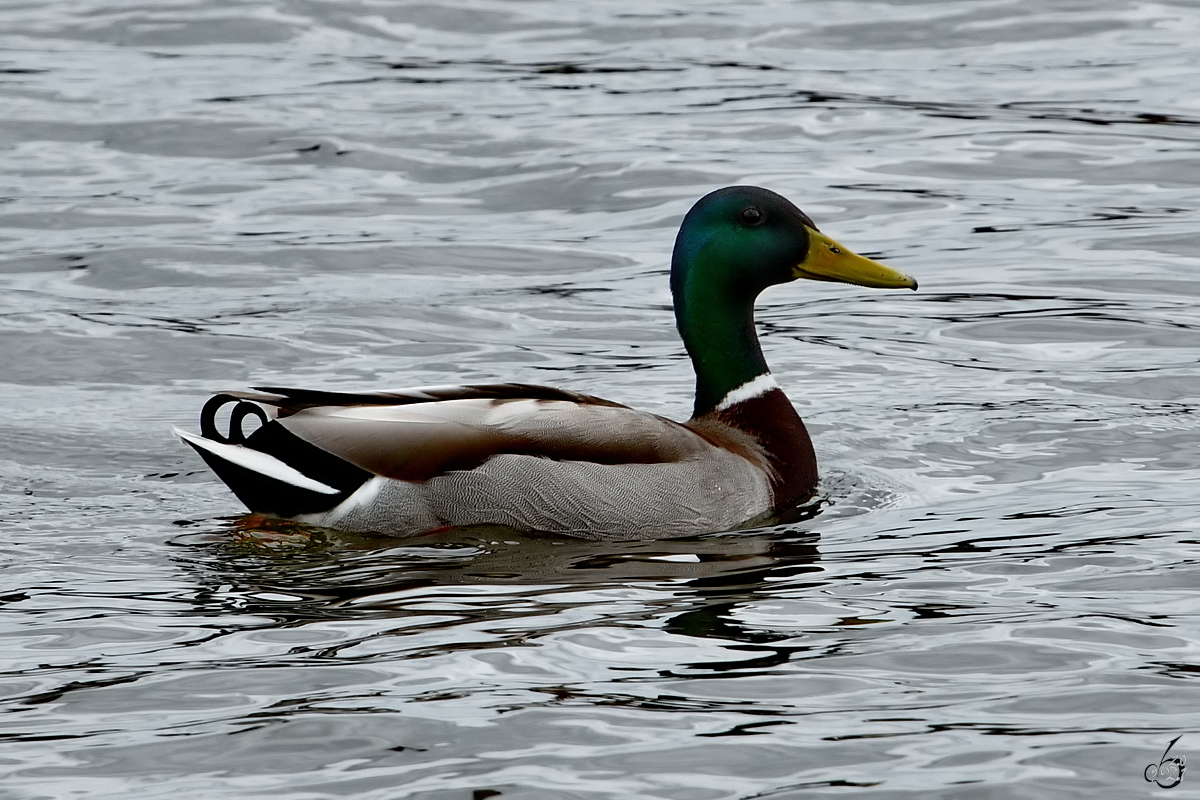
column 291, row 400
column 407, row 450
column 417, row 440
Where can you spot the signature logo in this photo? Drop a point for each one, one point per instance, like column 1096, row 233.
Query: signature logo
column 1167, row 772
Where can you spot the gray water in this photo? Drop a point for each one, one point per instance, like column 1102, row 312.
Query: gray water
column 995, row 596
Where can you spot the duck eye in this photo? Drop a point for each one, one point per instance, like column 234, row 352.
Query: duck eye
column 752, row 216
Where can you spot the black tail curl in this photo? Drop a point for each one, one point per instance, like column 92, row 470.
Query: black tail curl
column 242, row 409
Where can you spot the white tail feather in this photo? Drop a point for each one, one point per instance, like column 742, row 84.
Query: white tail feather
column 253, row 460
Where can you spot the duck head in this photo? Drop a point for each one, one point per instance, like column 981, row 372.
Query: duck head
column 733, row 244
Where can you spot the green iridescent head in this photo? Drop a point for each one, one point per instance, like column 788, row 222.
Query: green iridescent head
column 734, row 243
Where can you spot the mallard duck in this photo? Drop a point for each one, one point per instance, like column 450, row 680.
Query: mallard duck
column 535, row 458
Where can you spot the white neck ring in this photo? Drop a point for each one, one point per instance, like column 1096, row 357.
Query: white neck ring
column 748, row 391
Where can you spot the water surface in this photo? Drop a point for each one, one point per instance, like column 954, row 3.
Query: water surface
column 995, row 595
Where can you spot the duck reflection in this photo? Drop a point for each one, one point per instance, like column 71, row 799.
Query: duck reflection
column 293, row 574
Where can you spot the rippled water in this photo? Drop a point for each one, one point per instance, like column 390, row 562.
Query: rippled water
column 996, row 596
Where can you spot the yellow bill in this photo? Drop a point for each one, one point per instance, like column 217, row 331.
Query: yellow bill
column 829, row 261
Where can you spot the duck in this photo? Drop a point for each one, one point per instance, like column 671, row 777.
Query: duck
column 540, row 459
